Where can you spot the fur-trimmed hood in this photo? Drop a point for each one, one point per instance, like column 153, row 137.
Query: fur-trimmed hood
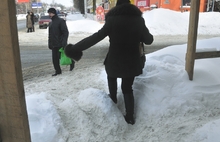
column 124, row 9
column 125, row 28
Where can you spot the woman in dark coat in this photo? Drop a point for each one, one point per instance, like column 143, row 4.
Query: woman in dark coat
column 32, row 20
column 126, row 29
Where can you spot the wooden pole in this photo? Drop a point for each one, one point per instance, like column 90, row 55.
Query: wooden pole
column 192, row 37
column 14, row 125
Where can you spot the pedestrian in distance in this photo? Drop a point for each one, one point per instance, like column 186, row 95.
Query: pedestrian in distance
column 58, row 37
column 125, row 27
column 32, row 20
column 28, row 22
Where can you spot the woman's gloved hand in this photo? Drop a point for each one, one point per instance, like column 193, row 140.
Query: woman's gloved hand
column 73, row 53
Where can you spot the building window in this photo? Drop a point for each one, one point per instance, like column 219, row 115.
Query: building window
column 167, row 2
column 186, row 2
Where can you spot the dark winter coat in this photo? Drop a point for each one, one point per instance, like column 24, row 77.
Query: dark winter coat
column 32, row 18
column 126, row 29
column 58, row 33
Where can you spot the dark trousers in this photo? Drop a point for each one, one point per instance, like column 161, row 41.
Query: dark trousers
column 127, row 91
column 126, row 85
column 33, row 28
column 56, row 59
column 29, row 30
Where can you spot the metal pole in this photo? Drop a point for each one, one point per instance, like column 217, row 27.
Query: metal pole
column 94, row 7
column 207, row 6
column 181, row 5
column 37, row 7
column 213, row 5
column 85, row 8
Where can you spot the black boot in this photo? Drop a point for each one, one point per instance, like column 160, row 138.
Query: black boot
column 112, row 86
column 113, row 97
column 129, row 106
column 57, row 73
column 72, row 66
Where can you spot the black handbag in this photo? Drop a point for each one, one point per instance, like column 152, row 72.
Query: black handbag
column 142, row 54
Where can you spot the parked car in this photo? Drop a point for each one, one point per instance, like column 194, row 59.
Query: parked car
column 44, row 21
column 36, row 17
column 62, row 16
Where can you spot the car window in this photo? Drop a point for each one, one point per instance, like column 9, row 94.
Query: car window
column 44, row 17
column 61, row 15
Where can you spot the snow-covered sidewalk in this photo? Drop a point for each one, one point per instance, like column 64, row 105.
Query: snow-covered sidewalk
column 75, row 106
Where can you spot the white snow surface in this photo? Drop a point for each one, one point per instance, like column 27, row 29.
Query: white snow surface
column 75, row 107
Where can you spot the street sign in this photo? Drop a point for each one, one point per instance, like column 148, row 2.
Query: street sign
column 142, row 3
column 36, row 5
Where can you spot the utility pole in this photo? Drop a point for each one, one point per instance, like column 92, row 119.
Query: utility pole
column 192, row 38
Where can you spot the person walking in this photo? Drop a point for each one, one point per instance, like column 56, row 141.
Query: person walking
column 126, row 28
column 28, row 22
column 32, row 20
column 58, row 36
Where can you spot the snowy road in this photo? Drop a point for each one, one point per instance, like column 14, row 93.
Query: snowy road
column 33, row 54
column 36, row 59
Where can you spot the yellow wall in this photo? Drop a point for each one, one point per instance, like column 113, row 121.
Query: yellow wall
column 132, row 1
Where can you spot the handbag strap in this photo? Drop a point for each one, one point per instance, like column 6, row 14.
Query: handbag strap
column 142, row 44
column 141, row 48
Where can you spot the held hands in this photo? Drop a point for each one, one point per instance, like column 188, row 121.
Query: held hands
column 73, row 53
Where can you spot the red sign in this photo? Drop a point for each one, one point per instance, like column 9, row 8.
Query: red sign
column 142, row 3
column 22, row 1
column 99, row 10
column 100, row 13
